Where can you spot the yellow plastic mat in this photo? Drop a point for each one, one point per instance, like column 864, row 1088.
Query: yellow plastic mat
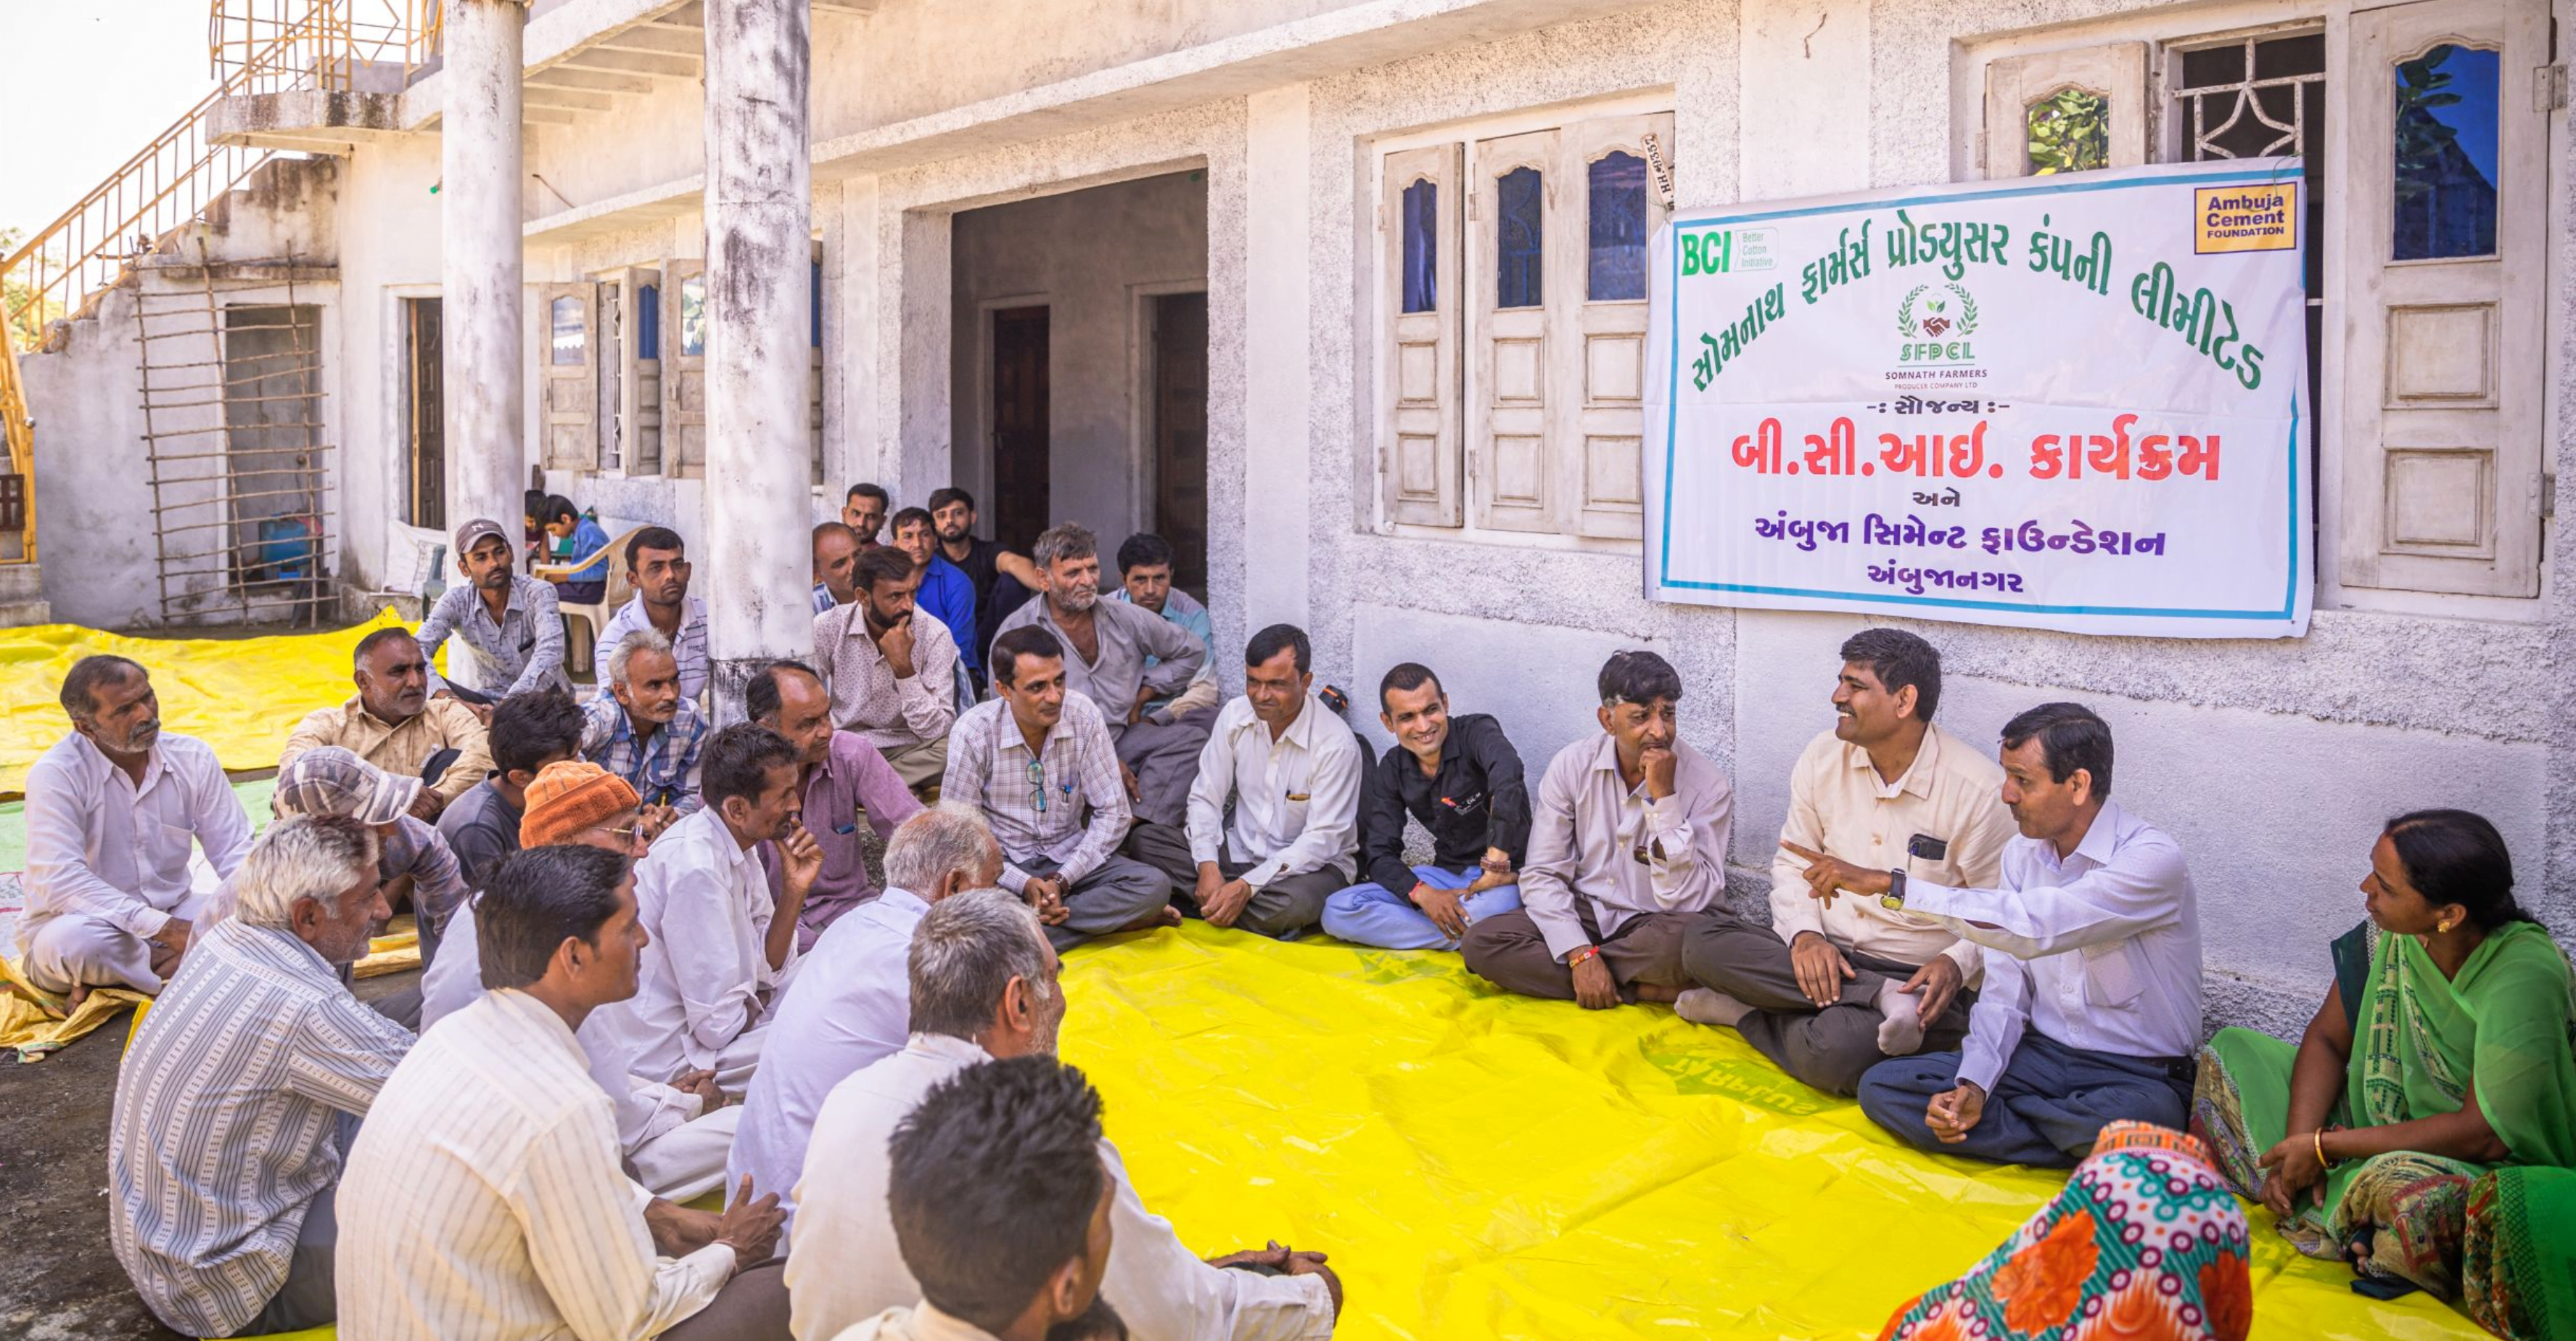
column 1480, row 1165
column 240, row 695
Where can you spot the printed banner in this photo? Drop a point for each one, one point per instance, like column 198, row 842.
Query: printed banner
column 2072, row 403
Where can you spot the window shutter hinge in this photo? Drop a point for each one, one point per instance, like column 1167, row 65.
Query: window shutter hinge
column 2548, row 495
column 2549, row 88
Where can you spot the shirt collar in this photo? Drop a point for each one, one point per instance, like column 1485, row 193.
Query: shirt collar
column 947, row 1048
column 1300, row 733
column 2103, row 836
column 929, row 1324
column 1015, row 739
column 289, row 944
column 896, row 896
column 1605, row 756
column 1917, row 778
column 357, row 706
column 101, row 768
column 527, row 1011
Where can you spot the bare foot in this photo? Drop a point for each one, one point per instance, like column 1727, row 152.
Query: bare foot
column 1168, row 916
column 79, row 993
column 1657, row 992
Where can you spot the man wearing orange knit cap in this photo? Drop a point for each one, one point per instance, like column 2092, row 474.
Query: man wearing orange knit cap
column 674, row 1135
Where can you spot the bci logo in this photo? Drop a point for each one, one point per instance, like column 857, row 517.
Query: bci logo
column 1725, row 251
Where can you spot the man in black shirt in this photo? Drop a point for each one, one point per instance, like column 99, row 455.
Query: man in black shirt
column 1461, row 778
column 1003, row 580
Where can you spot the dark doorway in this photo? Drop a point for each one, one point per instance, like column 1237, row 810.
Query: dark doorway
column 1180, row 434
column 425, row 461
column 1020, row 444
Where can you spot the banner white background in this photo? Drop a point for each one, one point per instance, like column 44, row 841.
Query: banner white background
column 2064, row 402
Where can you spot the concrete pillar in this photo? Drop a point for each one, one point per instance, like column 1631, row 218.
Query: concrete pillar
column 754, row 560
column 480, row 270
column 1278, row 337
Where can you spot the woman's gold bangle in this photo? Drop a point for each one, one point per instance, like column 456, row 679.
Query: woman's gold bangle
column 2320, row 1139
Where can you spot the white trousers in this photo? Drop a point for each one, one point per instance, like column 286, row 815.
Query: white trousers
column 75, row 948
column 688, row 1160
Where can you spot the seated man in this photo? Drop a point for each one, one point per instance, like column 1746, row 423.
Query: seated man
column 722, row 946
column 1828, row 991
column 412, row 858
column 645, row 730
column 853, row 1006
column 1001, row 1209
column 511, row 622
column 488, row 1169
column 984, row 987
column 1145, row 580
column 1627, row 844
column 1111, row 642
column 945, row 590
column 1461, row 778
column 836, row 559
column 112, row 812
column 2091, row 1008
column 845, row 783
column 657, row 563
column 528, row 732
column 1003, row 580
column 673, row 1136
column 1031, row 760
column 892, row 676
column 1290, row 772
column 224, row 1148
column 863, row 510
column 393, row 723
column 578, row 539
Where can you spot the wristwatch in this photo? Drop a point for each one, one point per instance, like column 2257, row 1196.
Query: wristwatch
column 1894, row 898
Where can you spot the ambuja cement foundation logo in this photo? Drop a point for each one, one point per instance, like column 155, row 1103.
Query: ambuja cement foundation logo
column 1936, row 321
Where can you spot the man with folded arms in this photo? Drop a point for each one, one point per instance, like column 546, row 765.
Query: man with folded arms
column 1627, row 846
column 494, row 1204
column 1827, row 992
column 1461, row 778
column 393, row 723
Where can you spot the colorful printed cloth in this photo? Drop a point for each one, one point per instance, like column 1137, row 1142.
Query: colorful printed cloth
column 2146, row 1242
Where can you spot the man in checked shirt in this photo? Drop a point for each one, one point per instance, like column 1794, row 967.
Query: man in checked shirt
column 1031, row 759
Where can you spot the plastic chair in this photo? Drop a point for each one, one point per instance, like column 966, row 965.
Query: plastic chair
column 593, row 617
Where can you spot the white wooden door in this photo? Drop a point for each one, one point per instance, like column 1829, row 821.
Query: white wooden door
column 684, row 369
column 568, row 366
column 1422, row 208
column 1617, row 210
column 641, row 387
column 1520, row 241
column 2443, row 361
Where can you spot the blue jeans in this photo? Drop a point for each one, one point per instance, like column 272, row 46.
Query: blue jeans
column 2048, row 1106
column 1372, row 914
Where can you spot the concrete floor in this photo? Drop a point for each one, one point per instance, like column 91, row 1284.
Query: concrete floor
column 62, row 1282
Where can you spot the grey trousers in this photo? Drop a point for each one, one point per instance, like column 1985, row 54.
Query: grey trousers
column 1281, row 910
column 1827, row 1048
column 1508, row 951
column 1164, row 756
column 1119, row 893
column 751, row 1307
column 2049, row 1106
column 306, row 1299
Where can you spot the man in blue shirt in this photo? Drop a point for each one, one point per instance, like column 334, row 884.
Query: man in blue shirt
column 1145, row 579
column 566, row 524
column 946, row 592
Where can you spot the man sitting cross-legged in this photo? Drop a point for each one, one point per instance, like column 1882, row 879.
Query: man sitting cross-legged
column 393, row 723
column 1032, row 760
column 845, row 783
column 645, row 730
column 1829, row 991
column 511, row 622
column 1461, row 778
column 1145, row 581
column 852, row 1003
column 1292, row 774
column 723, row 945
column 891, row 670
column 2091, row 1007
column 672, row 1136
column 1627, row 845
column 226, row 1143
column 985, row 985
column 945, row 592
column 113, row 811
column 1108, row 644
column 658, row 561
column 494, row 1207
column 1002, row 1209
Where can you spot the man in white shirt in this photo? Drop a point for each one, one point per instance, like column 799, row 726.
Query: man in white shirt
column 1003, row 1210
column 723, row 947
column 855, row 1003
column 1827, row 992
column 1292, row 771
column 1627, row 846
column 493, row 1206
column 984, row 985
column 112, row 812
column 2091, row 1008
column 1033, row 760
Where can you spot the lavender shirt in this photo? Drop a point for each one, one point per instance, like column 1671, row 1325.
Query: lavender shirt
column 852, row 777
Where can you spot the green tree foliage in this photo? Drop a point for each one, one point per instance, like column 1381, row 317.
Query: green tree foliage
column 2069, row 131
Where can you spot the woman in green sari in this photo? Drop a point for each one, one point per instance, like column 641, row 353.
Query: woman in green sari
column 2424, row 1129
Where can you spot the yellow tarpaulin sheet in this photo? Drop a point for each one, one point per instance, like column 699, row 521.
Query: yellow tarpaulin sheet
column 1480, row 1165
column 239, row 695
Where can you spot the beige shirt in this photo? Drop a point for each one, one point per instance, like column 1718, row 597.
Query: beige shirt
column 486, row 1200
column 889, row 712
column 923, row 1322
column 401, row 750
column 1838, row 805
column 1595, row 840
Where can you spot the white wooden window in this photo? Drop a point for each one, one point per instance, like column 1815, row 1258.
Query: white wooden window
column 640, row 383
column 569, row 370
column 2427, row 268
column 684, row 369
column 1512, row 319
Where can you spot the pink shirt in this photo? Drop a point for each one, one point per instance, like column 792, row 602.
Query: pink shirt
column 1596, row 841
column 853, row 778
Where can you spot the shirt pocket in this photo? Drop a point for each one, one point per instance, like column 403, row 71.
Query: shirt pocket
column 2111, row 974
column 167, row 860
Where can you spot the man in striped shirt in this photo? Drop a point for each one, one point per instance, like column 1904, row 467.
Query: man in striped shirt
column 224, row 1150
column 496, row 1207
column 645, row 730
